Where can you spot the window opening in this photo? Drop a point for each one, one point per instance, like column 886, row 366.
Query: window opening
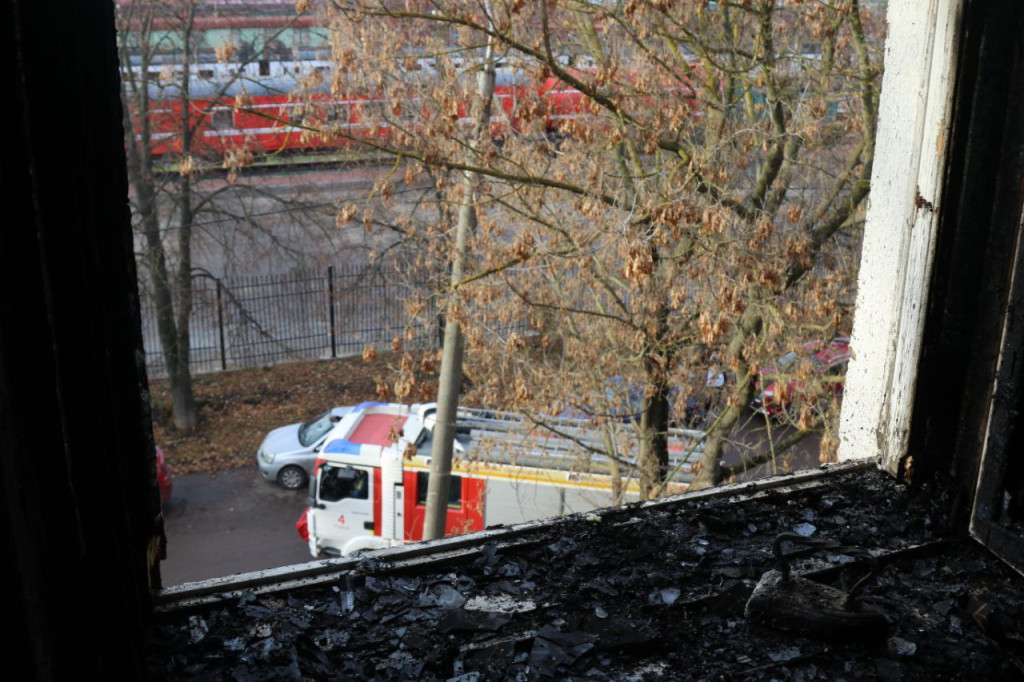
column 454, row 490
column 222, row 118
column 240, row 323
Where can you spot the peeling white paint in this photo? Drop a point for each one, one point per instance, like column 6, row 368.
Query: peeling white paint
column 899, row 240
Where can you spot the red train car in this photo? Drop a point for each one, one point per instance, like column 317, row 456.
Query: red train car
column 265, row 116
column 229, row 112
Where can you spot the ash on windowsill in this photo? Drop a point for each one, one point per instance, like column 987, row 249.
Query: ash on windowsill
column 639, row 594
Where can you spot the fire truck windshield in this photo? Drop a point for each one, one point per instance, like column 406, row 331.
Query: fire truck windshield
column 337, row 483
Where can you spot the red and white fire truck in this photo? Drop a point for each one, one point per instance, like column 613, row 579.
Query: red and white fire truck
column 369, row 485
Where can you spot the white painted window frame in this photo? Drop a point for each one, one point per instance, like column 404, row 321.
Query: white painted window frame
column 914, row 121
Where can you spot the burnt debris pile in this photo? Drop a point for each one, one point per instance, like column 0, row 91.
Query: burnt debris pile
column 653, row 592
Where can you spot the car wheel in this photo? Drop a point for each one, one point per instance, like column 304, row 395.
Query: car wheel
column 292, row 477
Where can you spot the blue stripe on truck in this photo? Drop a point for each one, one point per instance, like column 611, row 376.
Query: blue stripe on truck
column 341, row 446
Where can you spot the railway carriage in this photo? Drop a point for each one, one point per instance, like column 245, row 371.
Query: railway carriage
column 266, row 115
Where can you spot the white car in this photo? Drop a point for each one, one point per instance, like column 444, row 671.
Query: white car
column 287, row 454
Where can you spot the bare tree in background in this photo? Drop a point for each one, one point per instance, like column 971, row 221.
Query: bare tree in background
column 185, row 191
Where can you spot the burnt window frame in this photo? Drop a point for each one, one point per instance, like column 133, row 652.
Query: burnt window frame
column 934, row 385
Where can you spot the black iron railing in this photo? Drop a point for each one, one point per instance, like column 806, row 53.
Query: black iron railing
column 305, row 315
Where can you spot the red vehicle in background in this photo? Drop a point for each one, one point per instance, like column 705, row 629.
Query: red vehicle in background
column 268, row 119
column 230, row 113
column 780, row 384
column 163, row 476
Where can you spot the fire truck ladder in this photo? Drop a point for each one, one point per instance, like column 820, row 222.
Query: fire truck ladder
column 566, row 444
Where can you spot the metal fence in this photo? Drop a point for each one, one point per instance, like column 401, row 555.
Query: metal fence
column 307, row 315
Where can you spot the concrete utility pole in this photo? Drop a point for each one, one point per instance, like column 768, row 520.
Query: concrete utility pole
column 451, row 357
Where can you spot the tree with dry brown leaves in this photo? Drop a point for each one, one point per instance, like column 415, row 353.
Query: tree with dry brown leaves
column 696, row 206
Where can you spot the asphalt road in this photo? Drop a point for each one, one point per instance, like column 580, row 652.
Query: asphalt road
column 752, row 437
column 230, row 522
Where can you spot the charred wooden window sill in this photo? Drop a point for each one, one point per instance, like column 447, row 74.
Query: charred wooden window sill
column 656, row 589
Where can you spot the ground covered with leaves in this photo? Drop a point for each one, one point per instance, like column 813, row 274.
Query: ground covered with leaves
column 638, row 594
column 237, row 408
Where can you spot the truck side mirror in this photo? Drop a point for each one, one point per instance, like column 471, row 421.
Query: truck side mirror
column 312, row 493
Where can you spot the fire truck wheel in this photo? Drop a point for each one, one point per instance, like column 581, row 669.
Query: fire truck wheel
column 292, row 478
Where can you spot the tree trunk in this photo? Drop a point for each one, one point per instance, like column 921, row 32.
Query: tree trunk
column 450, row 380
column 654, row 441
column 183, row 404
column 654, row 421
column 710, row 472
column 155, row 260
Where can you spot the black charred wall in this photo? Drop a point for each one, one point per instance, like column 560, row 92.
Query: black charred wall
column 76, row 447
column 979, row 228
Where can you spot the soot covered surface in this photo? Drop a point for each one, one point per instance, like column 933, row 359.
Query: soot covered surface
column 634, row 594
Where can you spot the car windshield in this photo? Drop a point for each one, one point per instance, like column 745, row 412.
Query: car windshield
column 315, row 429
column 786, row 360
